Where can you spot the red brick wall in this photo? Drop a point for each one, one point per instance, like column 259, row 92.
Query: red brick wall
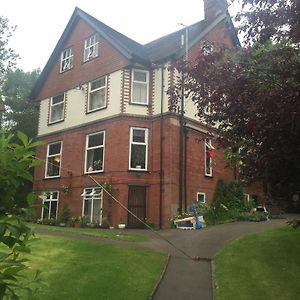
column 116, row 167
column 108, row 60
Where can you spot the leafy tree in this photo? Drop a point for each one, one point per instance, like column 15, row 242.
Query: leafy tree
column 21, row 113
column 262, row 20
column 253, row 97
column 7, row 55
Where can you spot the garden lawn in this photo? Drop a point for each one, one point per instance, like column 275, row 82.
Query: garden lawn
column 103, row 233
column 263, row 266
column 81, row 269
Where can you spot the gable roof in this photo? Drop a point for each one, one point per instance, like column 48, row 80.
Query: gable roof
column 170, row 46
column 158, row 50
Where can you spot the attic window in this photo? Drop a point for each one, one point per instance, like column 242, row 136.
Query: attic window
column 66, row 62
column 90, row 48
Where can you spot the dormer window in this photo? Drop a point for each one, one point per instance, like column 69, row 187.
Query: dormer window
column 140, row 87
column 90, row 48
column 66, row 62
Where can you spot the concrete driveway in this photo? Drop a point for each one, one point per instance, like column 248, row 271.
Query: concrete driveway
column 189, row 279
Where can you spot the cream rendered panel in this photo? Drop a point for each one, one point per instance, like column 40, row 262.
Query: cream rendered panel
column 75, row 107
column 114, row 106
column 136, row 109
column 190, row 109
column 157, row 90
column 43, row 117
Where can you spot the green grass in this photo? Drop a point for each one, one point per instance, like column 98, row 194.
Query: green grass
column 263, row 266
column 103, row 233
column 81, row 269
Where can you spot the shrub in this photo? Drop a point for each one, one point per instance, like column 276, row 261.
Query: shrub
column 16, row 161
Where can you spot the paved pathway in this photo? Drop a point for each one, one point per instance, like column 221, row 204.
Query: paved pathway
column 186, row 278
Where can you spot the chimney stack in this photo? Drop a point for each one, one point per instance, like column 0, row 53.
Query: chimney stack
column 213, row 8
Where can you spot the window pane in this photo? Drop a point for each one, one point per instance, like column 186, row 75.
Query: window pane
column 201, row 198
column 139, row 94
column 97, row 99
column 57, row 112
column 54, row 148
column 96, row 210
column 54, row 195
column 98, row 83
column 53, row 166
column 138, row 156
column 58, row 99
column 87, row 209
column 46, row 209
column 94, row 160
column 53, row 209
column 95, row 140
column 138, row 136
column 140, row 76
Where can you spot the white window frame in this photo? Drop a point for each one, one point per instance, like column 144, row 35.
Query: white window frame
column 66, row 60
column 57, row 104
column 208, row 146
column 202, row 194
column 91, row 46
column 96, row 90
column 51, row 199
column 53, row 155
column 86, row 171
column 146, row 130
column 94, row 196
column 140, row 82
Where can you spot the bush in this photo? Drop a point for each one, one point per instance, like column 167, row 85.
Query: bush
column 16, row 161
column 229, row 204
column 258, row 216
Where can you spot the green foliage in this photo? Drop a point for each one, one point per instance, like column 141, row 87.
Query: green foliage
column 21, row 113
column 258, row 216
column 228, row 204
column 16, row 236
column 105, row 224
column 229, row 194
column 66, row 214
column 16, row 160
column 7, row 55
column 294, row 223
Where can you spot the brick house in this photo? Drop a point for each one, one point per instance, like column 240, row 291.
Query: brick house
column 103, row 112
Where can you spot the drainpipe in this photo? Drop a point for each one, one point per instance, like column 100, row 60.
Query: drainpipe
column 185, row 166
column 161, row 173
column 181, row 150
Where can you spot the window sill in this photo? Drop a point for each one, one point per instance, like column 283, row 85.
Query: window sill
column 139, row 104
column 94, row 172
column 51, row 177
column 64, row 71
column 208, row 176
column 90, row 59
column 94, row 110
column 55, row 122
column 138, row 170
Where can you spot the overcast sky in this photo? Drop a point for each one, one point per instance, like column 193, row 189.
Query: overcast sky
column 41, row 23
